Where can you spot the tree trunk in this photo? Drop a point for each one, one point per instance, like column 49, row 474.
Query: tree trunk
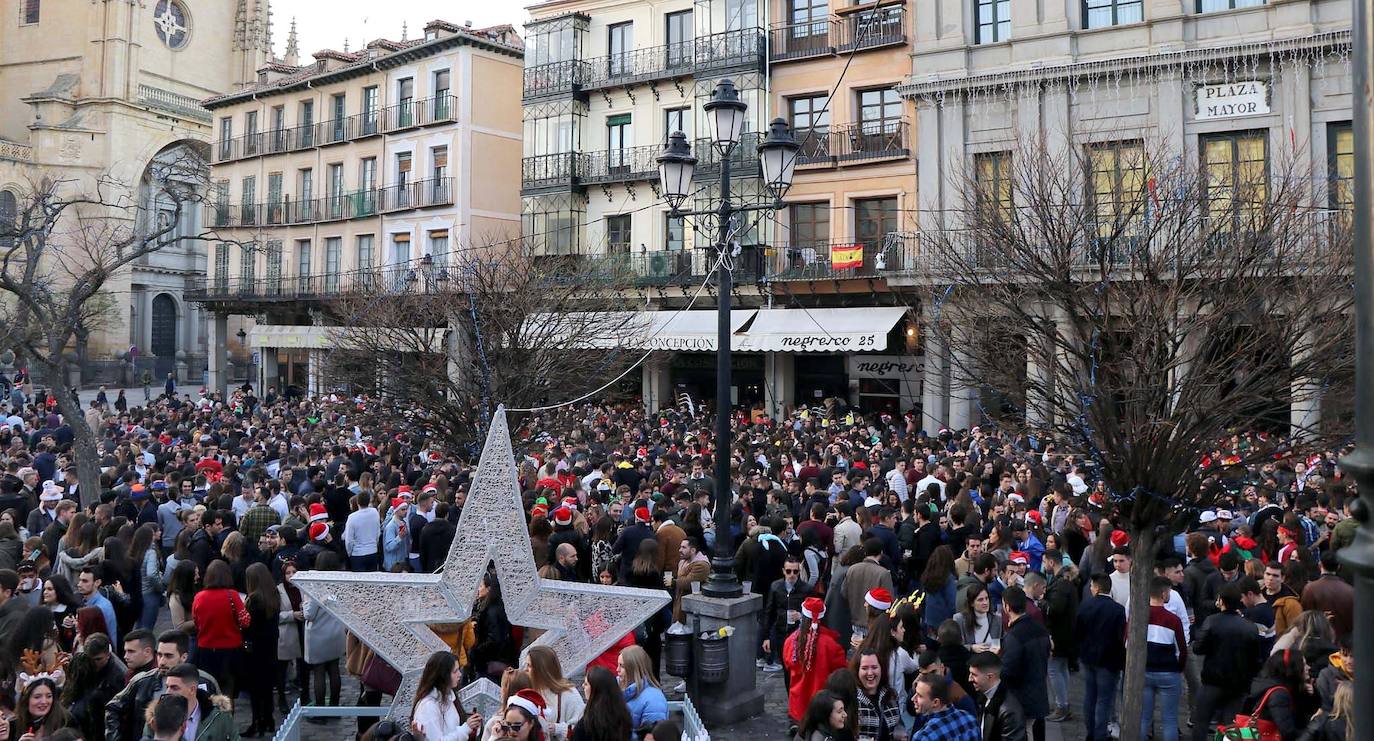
column 1137, row 621
column 84, row 450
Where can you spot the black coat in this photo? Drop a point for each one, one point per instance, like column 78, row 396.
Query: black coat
column 627, row 545
column 1281, row 707
column 1231, row 651
column 1101, row 629
column 1026, row 665
column 1061, row 608
column 435, row 540
column 1001, row 717
column 780, row 601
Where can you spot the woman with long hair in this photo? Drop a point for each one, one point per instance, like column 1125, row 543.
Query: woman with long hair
column 642, row 693
column 607, row 717
column 436, row 715
column 826, row 719
column 264, row 608
column 39, row 714
column 324, row 639
column 512, row 681
column 1312, row 636
column 523, row 718
column 290, row 635
column 646, row 572
column 143, row 558
column 938, row 582
column 89, row 621
column 59, row 597
column 564, row 704
column 603, row 540
column 979, row 624
column 879, row 713
column 220, row 619
column 78, row 549
column 181, row 551
column 181, row 592
column 1279, row 694
column 11, row 545
column 235, row 553
column 810, row 654
column 495, row 648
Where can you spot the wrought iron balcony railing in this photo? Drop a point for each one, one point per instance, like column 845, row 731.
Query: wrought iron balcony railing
column 621, row 165
column 424, row 112
column 641, row 65
column 867, row 29
column 866, row 140
column 802, row 40
column 563, row 169
column 718, row 51
column 358, row 204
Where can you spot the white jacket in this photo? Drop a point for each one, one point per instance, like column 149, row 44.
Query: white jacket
column 437, row 717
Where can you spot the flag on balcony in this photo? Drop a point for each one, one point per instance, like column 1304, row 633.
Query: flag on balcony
column 843, row 256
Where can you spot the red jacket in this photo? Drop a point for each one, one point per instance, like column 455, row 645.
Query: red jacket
column 804, row 682
column 611, row 656
column 216, row 613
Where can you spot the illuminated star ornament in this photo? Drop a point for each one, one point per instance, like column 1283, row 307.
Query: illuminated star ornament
column 393, row 613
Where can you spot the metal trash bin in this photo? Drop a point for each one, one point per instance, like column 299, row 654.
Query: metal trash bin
column 677, row 654
column 714, row 658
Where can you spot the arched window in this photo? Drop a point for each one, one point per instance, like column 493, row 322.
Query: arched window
column 9, row 215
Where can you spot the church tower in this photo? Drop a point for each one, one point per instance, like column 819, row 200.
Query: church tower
column 252, row 39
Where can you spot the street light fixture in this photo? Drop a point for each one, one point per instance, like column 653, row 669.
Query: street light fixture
column 725, row 114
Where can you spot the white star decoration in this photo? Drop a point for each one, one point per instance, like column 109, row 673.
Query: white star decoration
column 392, row 613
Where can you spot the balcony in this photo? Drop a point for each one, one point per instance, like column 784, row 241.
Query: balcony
column 419, row 194
column 239, row 147
column 802, row 40
column 357, row 126
column 869, row 140
column 815, row 146
column 555, row 78
column 399, row 279
column 424, row 112
column 551, row 171
column 896, row 253
column 359, row 204
column 621, row 165
column 744, row 158
column 642, row 65
column 745, row 48
column 661, row 267
column 870, row 29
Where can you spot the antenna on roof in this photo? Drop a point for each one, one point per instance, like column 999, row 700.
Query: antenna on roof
column 405, row 31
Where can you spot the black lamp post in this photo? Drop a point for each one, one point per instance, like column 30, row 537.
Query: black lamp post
column 725, row 115
column 1359, row 556
column 243, row 344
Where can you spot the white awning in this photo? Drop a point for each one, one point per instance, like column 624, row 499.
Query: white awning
column 820, row 330
column 324, row 338
column 688, row 331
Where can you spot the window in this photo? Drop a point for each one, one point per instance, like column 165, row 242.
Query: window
column 678, row 34
column 618, row 139
column 1340, row 168
column 400, row 249
column 172, row 23
column 333, row 249
column 1209, row 6
column 741, row 14
column 31, row 12
column 365, row 203
column 307, row 123
column 226, row 138
column 1235, row 166
column 619, row 43
column 336, row 126
column 810, row 125
column 306, row 193
column 365, row 253
column 274, row 200
column 221, row 203
column 274, row 267
column 405, row 102
column 250, row 133
column 370, row 125
column 994, row 20
column 874, row 219
column 278, row 142
column 439, row 183
column 993, row 176
column 675, row 233
column 438, row 250
column 221, row 265
column 9, row 217
column 1103, row 13
column 880, row 110
column 441, row 98
column 1118, row 188
column 618, row 234
column 303, row 263
column 677, row 119
column 336, row 187
column 247, row 260
column 250, row 196
column 808, row 224
column 403, row 166
column 808, row 24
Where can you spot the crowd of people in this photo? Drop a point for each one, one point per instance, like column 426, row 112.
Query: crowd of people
column 916, row 585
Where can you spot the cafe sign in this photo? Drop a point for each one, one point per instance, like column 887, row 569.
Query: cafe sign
column 1232, row 99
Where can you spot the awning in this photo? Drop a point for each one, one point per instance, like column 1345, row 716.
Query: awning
column 325, row 338
column 689, row 331
column 820, row 330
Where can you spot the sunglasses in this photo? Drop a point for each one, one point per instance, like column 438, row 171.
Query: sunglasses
column 505, row 727
column 791, row 571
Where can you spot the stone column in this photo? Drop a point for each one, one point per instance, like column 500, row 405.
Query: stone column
column 961, row 394
column 934, row 403
column 1039, row 386
column 739, row 696
column 779, row 382
column 217, row 361
column 656, row 383
column 1305, row 404
column 267, row 369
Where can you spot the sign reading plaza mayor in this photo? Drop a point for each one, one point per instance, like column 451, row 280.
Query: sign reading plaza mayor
column 1232, row 99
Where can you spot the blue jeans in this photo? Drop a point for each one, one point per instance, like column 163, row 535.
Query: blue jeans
column 152, row 603
column 1059, row 682
column 1167, row 687
column 364, row 563
column 1099, row 697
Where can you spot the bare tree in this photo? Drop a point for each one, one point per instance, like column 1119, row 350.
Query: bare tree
column 500, row 323
column 1140, row 309
column 66, row 243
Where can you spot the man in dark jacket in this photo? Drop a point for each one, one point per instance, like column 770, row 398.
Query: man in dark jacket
column 1060, row 606
column 435, row 539
column 124, row 713
column 1230, row 647
column 925, row 540
column 627, row 544
column 1026, row 660
column 1332, row 595
column 999, row 712
column 1198, row 584
column 1101, row 630
column 782, row 611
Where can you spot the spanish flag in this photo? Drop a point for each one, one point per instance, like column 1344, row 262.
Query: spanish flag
column 843, row 256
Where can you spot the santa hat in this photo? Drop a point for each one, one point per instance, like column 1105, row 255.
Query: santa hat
column 398, row 503
column 562, row 516
column 430, row 489
column 641, row 514
column 813, row 608
column 570, row 503
column 1020, row 557
column 879, row 599
column 318, row 530
column 404, row 492
column 530, row 701
column 539, row 510
column 1120, row 539
column 1034, row 516
column 318, row 513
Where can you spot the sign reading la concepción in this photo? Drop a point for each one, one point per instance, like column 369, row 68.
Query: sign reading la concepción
column 1232, row 99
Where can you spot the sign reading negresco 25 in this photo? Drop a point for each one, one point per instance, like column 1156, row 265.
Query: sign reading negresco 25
column 1232, row 99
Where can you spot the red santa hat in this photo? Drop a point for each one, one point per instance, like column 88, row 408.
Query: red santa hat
column 1034, row 516
column 813, row 608
column 539, row 510
column 404, row 492
column 571, row 503
column 1019, row 557
column 397, row 503
column 1120, row 539
column 641, row 514
column 562, row 516
column 530, row 701
column 318, row 513
column 318, row 530
column 879, row 599
column 430, row 489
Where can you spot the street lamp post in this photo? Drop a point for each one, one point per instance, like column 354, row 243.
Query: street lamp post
column 725, row 115
column 1359, row 556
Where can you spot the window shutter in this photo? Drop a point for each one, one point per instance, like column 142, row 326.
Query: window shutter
column 622, row 119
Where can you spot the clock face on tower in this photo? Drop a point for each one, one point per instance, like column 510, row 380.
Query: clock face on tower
column 172, row 23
